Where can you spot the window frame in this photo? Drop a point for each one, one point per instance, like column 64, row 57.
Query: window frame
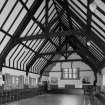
column 77, row 74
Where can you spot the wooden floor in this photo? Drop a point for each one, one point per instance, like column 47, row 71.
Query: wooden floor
column 52, row 99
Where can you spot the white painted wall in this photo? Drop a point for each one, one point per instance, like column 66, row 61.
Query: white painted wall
column 77, row 83
column 89, row 75
column 12, row 71
column 83, row 73
column 61, row 83
column 18, row 73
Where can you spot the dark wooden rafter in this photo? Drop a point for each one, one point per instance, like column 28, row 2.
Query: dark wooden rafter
column 40, row 25
column 50, row 61
column 81, row 49
column 66, row 48
column 60, row 30
column 58, row 50
column 16, row 65
column 92, row 37
column 60, row 25
column 57, row 12
column 103, row 1
column 68, row 60
column 89, row 17
column 53, row 53
column 52, row 34
column 59, row 20
column 46, row 22
column 84, row 53
column 20, row 42
column 68, row 13
column 89, row 20
column 52, row 42
column 56, row 19
column 3, row 6
column 46, row 33
column 19, row 30
column 70, row 23
column 46, row 16
column 32, row 37
column 46, row 54
column 34, row 58
column 33, row 18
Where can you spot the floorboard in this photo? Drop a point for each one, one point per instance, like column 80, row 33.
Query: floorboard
column 52, row 99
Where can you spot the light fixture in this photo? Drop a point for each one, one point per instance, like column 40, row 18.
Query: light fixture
column 89, row 43
column 93, row 6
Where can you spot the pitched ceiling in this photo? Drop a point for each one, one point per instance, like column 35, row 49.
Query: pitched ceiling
column 33, row 33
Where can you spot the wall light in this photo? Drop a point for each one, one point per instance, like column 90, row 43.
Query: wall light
column 93, row 6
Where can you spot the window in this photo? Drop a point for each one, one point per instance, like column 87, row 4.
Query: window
column 68, row 73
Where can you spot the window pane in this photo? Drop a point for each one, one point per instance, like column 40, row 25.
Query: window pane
column 70, row 75
column 18, row 21
column 75, row 75
column 74, row 70
column 70, row 70
column 27, row 28
column 4, row 43
column 1, row 36
column 30, row 3
column 6, row 10
column 65, row 75
column 65, row 70
column 12, row 17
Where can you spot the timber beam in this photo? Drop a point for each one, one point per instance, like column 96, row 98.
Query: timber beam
column 68, row 60
column 53, row 53
column 93, row 36
column 52, row 34
column 34, row 58
column 48, row 62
